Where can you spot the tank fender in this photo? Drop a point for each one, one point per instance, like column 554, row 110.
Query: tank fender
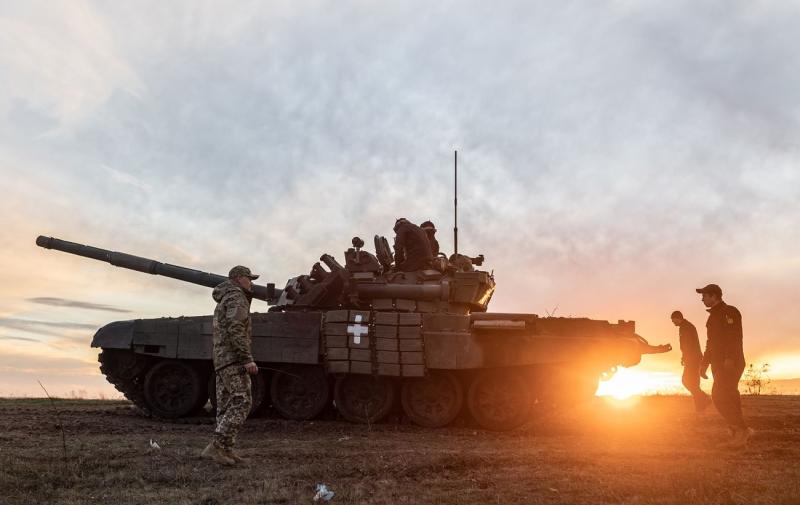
column 116, row 335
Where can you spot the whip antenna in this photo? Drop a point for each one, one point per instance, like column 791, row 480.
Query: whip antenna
column 455, row 203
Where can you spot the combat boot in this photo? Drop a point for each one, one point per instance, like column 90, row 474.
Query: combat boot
column 237, row 458
column 213, row 452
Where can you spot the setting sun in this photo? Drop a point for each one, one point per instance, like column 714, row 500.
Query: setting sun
column 628, row 382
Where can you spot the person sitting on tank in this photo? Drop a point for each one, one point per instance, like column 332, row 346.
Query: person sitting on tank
column 430, row 232
column 412, row 251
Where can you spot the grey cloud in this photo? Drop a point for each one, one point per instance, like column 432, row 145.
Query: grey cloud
column 22, row 339
column 69, row 342
column 43, row 327
column 63, row 302
column 29, row 120
column 586, row 119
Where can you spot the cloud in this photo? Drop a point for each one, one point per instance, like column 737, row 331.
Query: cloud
column 22, row 339
column 65, row 64
column 62, row 302
column 50, row 328
column 67, row 343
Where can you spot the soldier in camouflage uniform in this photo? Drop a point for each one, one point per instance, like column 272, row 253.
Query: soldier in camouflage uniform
column 233, row 362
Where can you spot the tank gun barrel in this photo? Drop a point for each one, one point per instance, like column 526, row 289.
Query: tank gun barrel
column 647, row 348
column 267, row 293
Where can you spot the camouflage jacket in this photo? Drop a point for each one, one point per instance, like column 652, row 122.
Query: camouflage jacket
column 232, row 326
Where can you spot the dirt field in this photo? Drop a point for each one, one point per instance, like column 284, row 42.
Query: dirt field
column 653, row 450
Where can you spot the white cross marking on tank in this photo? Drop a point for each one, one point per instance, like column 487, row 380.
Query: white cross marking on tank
column 356, row 330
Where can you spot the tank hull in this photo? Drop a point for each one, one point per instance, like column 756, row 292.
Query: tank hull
column 449, row 342
column 551, row 358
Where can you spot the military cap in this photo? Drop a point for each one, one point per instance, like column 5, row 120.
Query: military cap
column 428, row 225
column 711, row 289
column 240, row 271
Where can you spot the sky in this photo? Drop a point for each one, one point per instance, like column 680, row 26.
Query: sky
column 613, row 156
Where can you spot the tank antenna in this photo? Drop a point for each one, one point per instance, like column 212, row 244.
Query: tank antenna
column 455, row 203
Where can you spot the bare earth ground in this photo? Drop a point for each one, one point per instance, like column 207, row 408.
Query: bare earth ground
column 653, row 450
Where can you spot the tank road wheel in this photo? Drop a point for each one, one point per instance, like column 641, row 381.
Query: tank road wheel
column 364, row 398
column 300, row 392
column 173, row 389
column 432, row 401
column 499, row 400
column 258, row 389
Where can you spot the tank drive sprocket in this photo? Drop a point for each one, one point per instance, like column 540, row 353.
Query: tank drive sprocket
column 125, row 371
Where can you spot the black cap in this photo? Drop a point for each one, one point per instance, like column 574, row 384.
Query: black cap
column 711, row 289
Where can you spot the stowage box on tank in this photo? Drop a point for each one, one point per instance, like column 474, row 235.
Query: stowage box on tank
column 364, row 336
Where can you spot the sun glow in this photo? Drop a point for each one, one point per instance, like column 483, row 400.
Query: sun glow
column 629, row 382
column 781, row 366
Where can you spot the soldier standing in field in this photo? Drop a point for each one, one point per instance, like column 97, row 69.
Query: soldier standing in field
column 691, row 358
column 725, row 354
column 233, row 363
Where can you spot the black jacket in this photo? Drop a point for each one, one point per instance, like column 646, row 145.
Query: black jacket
column 412, row 251
column 724, row 329
column 690, row 343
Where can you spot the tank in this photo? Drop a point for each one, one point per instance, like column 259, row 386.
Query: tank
column 364, row 337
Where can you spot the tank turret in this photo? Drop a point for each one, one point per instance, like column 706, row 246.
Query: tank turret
column 371, row 281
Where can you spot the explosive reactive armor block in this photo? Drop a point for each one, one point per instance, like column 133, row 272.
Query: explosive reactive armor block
column 380, row 343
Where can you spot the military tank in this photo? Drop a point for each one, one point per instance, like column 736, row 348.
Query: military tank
column 361, row 338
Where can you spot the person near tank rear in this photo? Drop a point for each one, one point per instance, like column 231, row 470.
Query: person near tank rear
column 233, row 363
column 725, row 355
column 691, row 358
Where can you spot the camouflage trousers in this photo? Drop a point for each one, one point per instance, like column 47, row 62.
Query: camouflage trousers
column 234, row 398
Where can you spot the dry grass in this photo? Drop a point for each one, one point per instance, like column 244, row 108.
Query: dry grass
column 655, row 451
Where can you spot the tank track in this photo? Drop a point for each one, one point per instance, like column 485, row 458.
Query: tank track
column 129, row 380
